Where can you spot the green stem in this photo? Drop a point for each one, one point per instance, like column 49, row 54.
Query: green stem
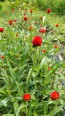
column 26, row 108
column 30, row 109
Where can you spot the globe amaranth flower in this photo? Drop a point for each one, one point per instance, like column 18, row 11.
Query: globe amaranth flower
column 55, row 46
column 31, row 10
column 42, row 30
column 25, row 18
column 37, row 41
column 48, row 10
column 57, row 25
column 2, row 57
column 49, row 68
column 17, row 35
column 10, row 22
column 44, row 50
column 1, row 29
column 54, row 95
column 14, row 20
column 30, row 28
column 26, row 97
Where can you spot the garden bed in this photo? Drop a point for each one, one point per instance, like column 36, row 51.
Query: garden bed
column 32, row 61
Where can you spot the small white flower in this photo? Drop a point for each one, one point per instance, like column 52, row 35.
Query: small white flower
column 13, row 2
column 44, row 17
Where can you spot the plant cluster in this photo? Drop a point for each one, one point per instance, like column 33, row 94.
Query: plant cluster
column 32, row 64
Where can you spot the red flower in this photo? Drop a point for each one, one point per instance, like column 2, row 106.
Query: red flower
column 44, row 50
column 26, row 96
column 37, row 41
column 56, row 46
column 1, row 29
column 31, row 11
column 41, row 18
column 10, row 22
column 2, row 57
column 25, row 18
column 54, row 95
column 15, row 20
column 48, row 10
column 17, row 34
column 30, row 28
column 49, row 68
column 57, row 25
column 42, row 30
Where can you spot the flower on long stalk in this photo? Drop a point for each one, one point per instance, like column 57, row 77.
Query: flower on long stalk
column 37, row 41
column 54, row 95
column 1, row 29
column 26, row 97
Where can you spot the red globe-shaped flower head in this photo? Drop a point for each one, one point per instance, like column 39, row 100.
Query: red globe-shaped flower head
column 10, row 22
column 42, row 30
column 14, row 20
column 26, row 97
column 44, row 50
column 17, row 35
column 31, row 10
column 48, row 10
column 55, row 46
column 37, row 41
column 57, row 25
column 54, row 95
column 25, row 18
column 1, row 29
column 2, row 57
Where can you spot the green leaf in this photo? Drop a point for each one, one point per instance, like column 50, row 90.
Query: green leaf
column 2, row 91
column 55, row 110
column 3, row 102
column 19, row 109
column 8, row 115
column 29, row 74
column 10, row 68
column 15, row 107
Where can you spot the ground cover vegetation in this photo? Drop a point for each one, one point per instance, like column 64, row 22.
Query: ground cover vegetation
column 32, row 58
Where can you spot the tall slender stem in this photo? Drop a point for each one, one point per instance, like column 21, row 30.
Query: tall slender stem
column 26, row 108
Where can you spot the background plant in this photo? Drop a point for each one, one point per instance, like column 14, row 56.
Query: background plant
column 28, row 69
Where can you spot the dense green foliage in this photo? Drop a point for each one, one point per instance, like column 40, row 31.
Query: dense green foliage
column 24, row 68
column 57, row 6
